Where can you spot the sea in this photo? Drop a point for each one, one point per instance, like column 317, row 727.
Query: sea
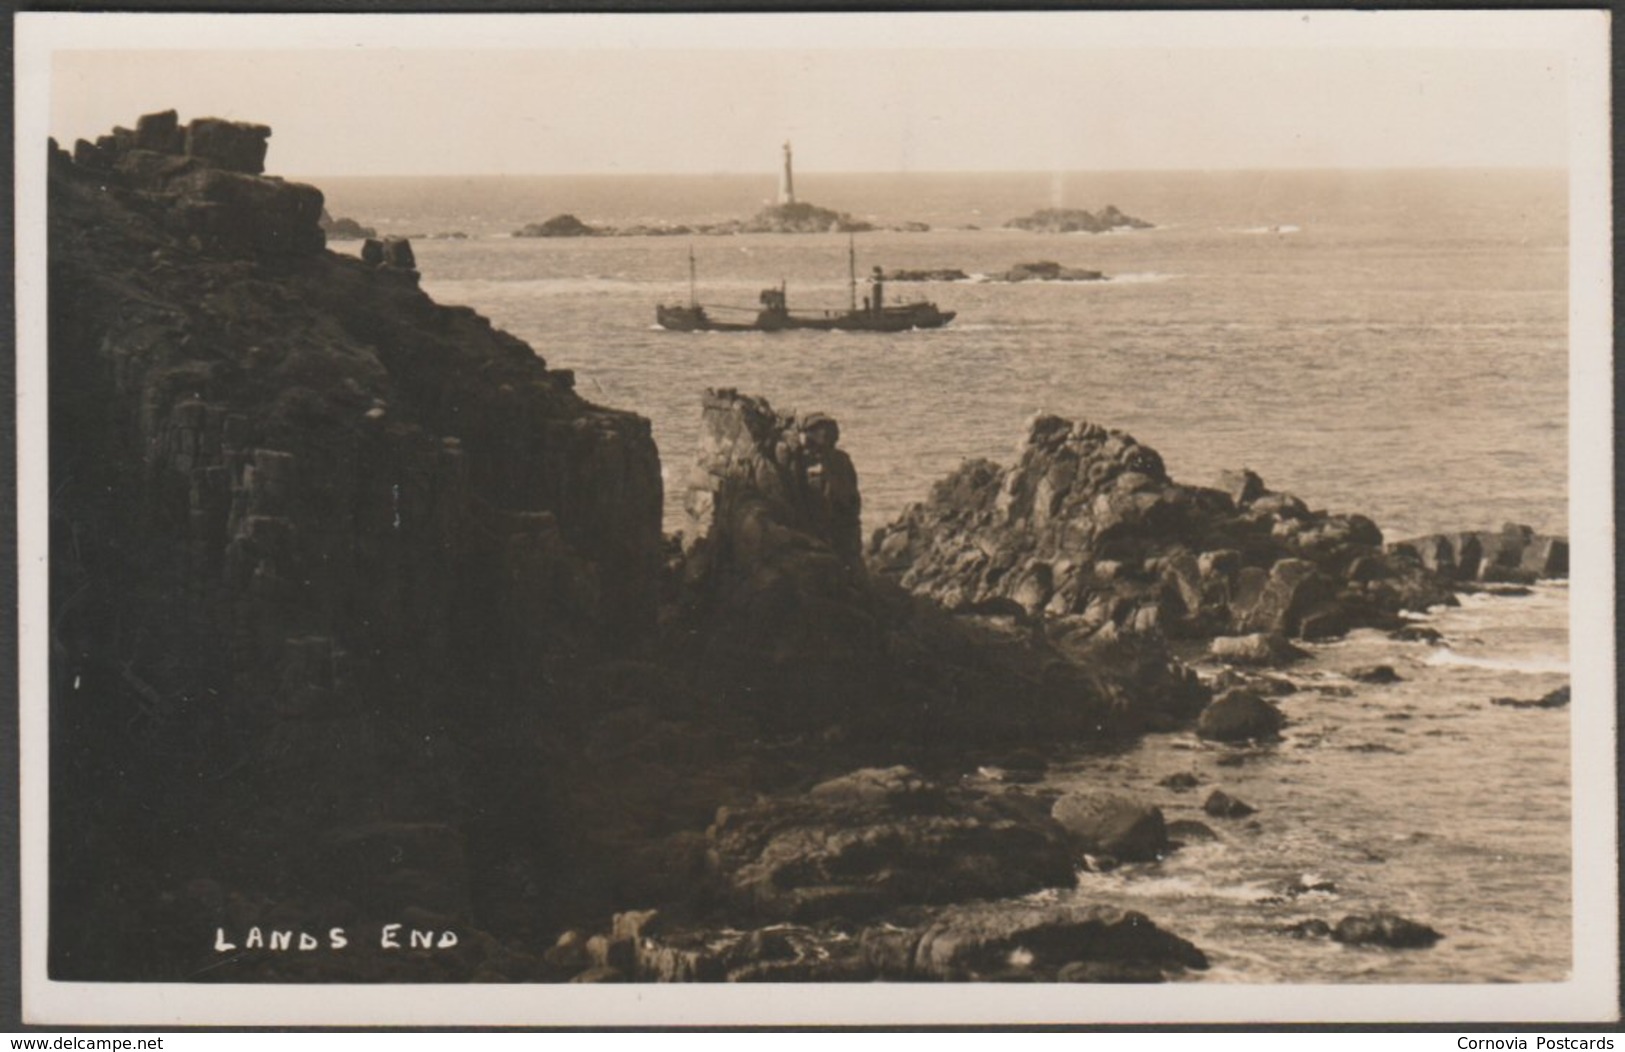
column 1388, row 342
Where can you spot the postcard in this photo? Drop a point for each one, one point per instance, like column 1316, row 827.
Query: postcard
column 1071, row 517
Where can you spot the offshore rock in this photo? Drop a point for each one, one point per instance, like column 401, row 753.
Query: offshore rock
column 1076, row 220
column 1087, row 528
column 564, row 225
column 1384, row 929
column 1047, row 270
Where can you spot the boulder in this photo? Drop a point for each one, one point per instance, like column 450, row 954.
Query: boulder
column 1181, row 782
column 1108, row 824
column 1546, row 557
column 1295, row 588
column 1240, row 715
column 1221, row 804
column 1190, row 829
column 397, row 252
column 1257, row 648
column 1384, row 929
column 160, row 132
column 1243, row 486
column 1009, row 941
column 1380, row 674
column 231, row 145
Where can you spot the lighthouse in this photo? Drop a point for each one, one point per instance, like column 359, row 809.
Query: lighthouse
column 787, row 184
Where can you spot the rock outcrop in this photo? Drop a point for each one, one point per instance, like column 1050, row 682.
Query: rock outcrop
column 973, row 942
column 1077, row 221
column 1514, row 554
column 563, row 225
column 345, row 229
column 854, row 847
column 1047, row 270
column 1088, row 530
column 782, row 612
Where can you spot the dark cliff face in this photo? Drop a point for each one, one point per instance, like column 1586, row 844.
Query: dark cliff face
column 315, row 539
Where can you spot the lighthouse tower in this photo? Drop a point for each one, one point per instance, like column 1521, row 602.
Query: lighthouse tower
column 787, row 183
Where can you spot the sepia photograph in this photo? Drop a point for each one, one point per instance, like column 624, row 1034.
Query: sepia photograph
column 966, row 518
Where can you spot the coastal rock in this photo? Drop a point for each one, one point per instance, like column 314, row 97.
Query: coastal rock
column 1221, row 804
column 1258, row 648
column 1242, row 486
column 564, row 225
column 232, row 145
column 1088, row 524
column 1076, row 220
column 1108, row 824
column 1557, row 699
column 1514, row 554
column 1182, row 829
column 1239, row 715
column 1005, row 942
column 801, row 217
column 1046, row 270
column 778, row 609
column 345, row 229
column 1384, row 929
column 1378, row 674
column 868, row 842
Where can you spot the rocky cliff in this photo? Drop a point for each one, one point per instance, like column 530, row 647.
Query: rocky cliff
column 315, row 541
column 360, row 613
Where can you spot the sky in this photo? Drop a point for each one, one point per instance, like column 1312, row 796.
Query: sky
column 949, row 98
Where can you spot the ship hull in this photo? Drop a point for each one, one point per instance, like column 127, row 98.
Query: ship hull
column 890, row 319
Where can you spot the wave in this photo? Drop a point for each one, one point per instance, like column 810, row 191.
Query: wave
column 1282, row 228
column 1139, row 278
column 1539, row 665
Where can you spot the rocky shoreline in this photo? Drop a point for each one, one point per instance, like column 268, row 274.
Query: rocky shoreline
column 370, row 571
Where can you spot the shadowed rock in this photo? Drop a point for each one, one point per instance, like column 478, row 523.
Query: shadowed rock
column 1240, row 715
column 1384, row 929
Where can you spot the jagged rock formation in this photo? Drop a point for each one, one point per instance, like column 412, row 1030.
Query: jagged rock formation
column 317, row 541
column 784, row 613
column 1077, row 221
column 1088, row 529
column 1514, row 554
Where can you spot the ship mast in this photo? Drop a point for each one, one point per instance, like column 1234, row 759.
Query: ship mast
column 851, row 272
column 692, row 302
